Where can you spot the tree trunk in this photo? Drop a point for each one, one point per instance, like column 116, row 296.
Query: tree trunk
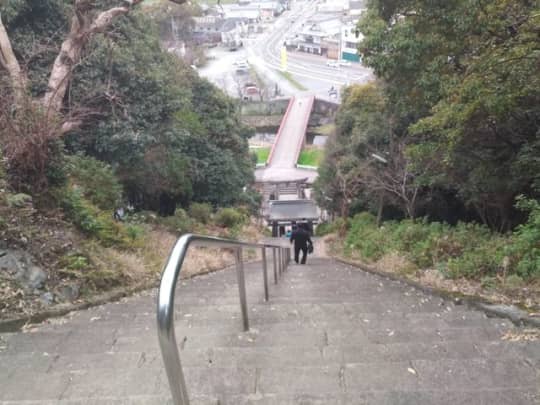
column 70, row 53
column 380, row 209
column 9, row 62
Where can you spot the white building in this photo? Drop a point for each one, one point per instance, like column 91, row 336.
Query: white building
column 333, row 6
column 250, row 12
column 311, row 37
column 350, row 38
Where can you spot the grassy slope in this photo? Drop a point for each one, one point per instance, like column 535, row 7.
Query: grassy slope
column 311, row 157
column 262, row 154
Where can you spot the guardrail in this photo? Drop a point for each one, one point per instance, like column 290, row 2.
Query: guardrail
column 165, row 310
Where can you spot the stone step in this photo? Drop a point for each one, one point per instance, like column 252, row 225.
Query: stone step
column 247, row 357
column 329, row 335
column 394, row 397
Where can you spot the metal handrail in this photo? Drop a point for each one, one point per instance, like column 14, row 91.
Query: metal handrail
column 169, row 278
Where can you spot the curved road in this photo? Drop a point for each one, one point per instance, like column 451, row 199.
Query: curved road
column 306, row 66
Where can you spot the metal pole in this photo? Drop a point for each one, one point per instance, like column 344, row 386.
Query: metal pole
column 242, row 288
column 165, row 321
column 280, row 261
column 265, row 274
column 275, row 265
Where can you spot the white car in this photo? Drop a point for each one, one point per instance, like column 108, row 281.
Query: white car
column 344, row 62
column 332, row 63
column 240, row 62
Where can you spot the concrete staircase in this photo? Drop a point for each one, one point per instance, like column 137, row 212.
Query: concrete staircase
column 330, row 334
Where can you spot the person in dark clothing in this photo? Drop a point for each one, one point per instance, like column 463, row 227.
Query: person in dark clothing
column 301, row 239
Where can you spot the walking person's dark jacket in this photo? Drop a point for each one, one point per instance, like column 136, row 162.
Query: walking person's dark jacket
column 301, row 240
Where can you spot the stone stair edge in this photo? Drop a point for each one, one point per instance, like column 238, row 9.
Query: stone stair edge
column 517, row 316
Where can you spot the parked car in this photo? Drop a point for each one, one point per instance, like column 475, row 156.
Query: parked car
column 332, row 63
column 239, row 62
column 344, row 62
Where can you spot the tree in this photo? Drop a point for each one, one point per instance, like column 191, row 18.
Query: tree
column 461, row 79
column 51, row 119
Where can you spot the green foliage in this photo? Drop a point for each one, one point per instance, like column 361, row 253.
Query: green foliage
column 180, row 222
column 465, row 250
column 201, row 212
column 83, row 214
column 311, row 157
column 19, row 200
column 483, row 259
column 525, row 247
column 75, row 261
column 488, row 282
column 250, row 199
column 461, row 80
column 229, row 217
column 326, row 228
column 261, row 154
column 348, row 173
column 365, row 238
column 134, row 232
column 171, row 136
column 96, row 180
column 97, row 223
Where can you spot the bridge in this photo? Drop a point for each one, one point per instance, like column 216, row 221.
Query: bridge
column 281, row 163
column 283, row 184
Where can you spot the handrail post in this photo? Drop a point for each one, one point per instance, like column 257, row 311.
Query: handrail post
column 265, row 273
column 242, row 288
column 275, row 265
column 280, row 261
column 166, row 293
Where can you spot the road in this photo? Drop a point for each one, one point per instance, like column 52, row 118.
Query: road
column 263, row 52
column 308, row 69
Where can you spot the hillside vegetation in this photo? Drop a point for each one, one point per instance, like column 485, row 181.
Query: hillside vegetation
column 95, row 117
column 442, row 150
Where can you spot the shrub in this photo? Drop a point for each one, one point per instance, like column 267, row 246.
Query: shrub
column 465, row 250
column 179, row 223
column 134, row 232
column 229, row 217
column 478, row 259
column 201, row 212
column 19, row 200
column 525, row 245
column 76, row 261
column 92, row 221
column 366, row 238
column 96, row 180
column 326, row 228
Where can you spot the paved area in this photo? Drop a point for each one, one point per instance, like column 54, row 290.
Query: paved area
column 330, row 334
